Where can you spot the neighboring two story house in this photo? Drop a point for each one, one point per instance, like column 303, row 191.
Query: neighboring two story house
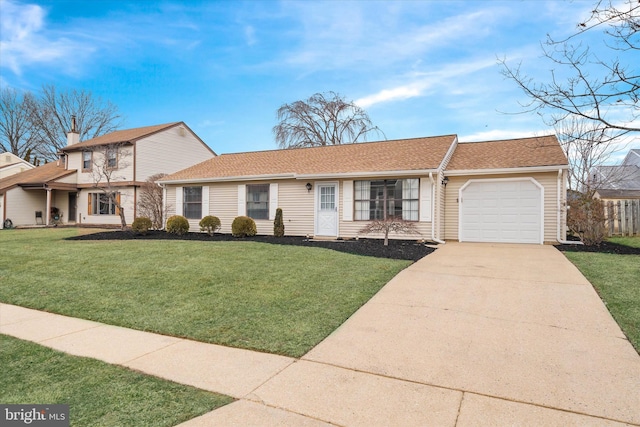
column 10, row 164
column 70, row 190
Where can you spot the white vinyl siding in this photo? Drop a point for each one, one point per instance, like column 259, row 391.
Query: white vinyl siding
column 167, row 152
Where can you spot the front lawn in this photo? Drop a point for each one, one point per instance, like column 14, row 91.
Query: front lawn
column 616, row 278
column 278, row 299
column 98, row 394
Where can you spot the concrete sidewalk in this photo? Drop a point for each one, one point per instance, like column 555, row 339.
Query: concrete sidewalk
column 472, row 335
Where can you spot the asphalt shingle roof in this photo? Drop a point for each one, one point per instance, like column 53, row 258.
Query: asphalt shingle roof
column 511, row 153
column 397, row 155
column 121, row 136
column 40, row 175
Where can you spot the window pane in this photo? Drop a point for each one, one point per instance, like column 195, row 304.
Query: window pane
column 258, row 201
column 192, row 202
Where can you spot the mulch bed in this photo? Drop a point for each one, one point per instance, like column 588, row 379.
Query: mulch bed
column 397, row 249
column 604, row 247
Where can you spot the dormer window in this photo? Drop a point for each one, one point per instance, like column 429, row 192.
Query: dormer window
column 86, row 160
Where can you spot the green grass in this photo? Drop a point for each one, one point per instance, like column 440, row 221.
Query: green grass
column 617, row 280
column 98, row 394
column 634, row 242
column 278, row 299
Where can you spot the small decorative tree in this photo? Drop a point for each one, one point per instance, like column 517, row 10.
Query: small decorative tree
column 278, row 224
column 391, row 223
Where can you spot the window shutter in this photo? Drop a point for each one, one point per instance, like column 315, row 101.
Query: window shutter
column 273, row 200
column 347, row 200
column 179, row 207
column 89, row 210
column 242, row 200
column 425, row 199
column 117, row 203
column 205, row 200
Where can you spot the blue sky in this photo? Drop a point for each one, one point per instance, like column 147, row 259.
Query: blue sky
column 419, row 68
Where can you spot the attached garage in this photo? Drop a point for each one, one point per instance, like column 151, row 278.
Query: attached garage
column 501, row 210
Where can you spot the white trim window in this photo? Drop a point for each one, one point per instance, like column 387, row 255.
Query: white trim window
column 380, row 199
column 192, row 202
column 258, row 201
column 87, row 157
column 112, row 158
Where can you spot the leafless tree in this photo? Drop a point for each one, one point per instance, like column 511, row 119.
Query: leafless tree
column 597, row 90
column 16, row 131
column 51, row 112
column 587, row 147
column 108, row 162
column 323, row 119
column 390, row 223
column 150, row 201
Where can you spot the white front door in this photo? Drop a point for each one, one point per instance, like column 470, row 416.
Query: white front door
column 327, row 209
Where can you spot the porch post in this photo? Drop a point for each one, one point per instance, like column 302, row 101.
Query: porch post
column 48, row 216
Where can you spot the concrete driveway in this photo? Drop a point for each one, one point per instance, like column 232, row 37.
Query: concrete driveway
column 474, row 334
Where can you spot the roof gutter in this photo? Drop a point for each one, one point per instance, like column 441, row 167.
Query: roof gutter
column 527, row 169
column 293, row 175
column 559, row 214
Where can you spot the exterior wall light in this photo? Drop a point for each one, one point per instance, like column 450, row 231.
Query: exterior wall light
column 445, row 180
column 309, row 186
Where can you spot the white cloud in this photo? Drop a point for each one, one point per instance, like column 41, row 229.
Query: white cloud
column 24, row 41
column 498, row 134
column 423, row 81
column 250, row 35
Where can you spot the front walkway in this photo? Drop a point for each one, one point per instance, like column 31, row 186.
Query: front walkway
column 473, row 334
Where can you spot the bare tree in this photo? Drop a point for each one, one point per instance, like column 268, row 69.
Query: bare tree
column 390, row 223
column 51, row 113
column 16, row 130
column 323, row 119
column 597, row 90
column 587, row 147
column 108, row 161
column 150, row 201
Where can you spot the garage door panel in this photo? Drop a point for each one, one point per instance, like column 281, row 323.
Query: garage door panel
column 501, row 211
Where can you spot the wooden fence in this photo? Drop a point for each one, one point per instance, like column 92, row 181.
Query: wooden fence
column 623, row 217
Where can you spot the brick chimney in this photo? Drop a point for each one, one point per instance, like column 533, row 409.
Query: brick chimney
column 73, row 137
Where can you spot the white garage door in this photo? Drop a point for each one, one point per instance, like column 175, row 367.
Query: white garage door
column 501, row 210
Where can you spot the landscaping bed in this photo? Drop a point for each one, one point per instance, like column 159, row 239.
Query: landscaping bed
column 604, row 247
column 397, row 249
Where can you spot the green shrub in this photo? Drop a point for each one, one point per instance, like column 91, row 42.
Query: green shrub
column 141, row 225
column 243, row 226
column 177, row 224
column 278, row 224
column 210, row 224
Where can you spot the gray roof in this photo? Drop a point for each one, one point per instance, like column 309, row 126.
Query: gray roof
column 619, row 177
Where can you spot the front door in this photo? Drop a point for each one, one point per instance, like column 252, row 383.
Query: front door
column 71, row 216
column 327, row 209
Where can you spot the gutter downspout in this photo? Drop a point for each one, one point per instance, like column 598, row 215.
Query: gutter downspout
column 559, row 217
column 433, row 211
column 164, row 203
